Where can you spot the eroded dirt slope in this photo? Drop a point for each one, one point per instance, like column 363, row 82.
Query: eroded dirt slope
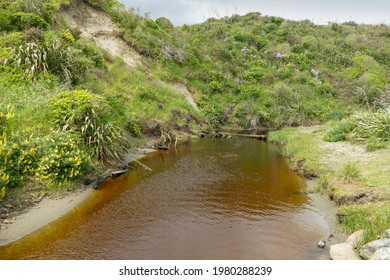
column 96, row 24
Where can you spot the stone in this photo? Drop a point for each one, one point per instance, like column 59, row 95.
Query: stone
column 8, row 222
column 3, row 227
column 368, row 250
column 343, row 251
column 388, row 233
column 381, row 254
column 321, row 244
column 356, row 238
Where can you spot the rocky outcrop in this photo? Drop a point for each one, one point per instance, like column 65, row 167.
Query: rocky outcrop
column 343, row 251
column 377, row 249
column 382, row 254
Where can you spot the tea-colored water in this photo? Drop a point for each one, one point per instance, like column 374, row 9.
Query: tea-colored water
column 207, row 199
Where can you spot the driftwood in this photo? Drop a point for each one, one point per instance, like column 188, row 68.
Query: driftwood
column 110, row 173
column 252, row 136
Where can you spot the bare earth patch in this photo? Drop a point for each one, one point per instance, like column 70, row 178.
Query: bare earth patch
column 99, row 26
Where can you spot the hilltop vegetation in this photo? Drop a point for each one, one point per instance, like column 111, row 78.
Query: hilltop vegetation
column 68, row 107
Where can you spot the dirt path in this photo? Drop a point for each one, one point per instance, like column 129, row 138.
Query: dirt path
column 96, row 24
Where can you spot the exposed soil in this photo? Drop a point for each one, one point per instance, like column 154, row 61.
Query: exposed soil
column 96, row 24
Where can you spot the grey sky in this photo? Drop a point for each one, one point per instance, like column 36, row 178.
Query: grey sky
column 320, row 11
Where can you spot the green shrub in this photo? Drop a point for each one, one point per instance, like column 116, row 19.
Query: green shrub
column 2, row 193
column 71, row 107
column 374, row 144
column 339, row 132
column 134, row 125
column 164, row 23
column 56, row 58
column 24, row 21
column 5, row 20
column 375, row 125
column 62, row 160
column 326, row 89
column 103, row 138
column 24, row 156
column 45, row 9
column 215, row 87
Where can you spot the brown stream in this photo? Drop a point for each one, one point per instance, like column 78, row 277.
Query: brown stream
column 207, row 199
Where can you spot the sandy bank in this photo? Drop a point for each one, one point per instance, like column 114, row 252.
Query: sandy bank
column 47, row 211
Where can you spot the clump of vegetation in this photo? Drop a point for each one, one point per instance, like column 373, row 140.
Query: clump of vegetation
column 350, row 172
column 372, row 129
column 373, row 218
column 55, row 157
column 339, row 132
column 374, row 125
column 83, row 113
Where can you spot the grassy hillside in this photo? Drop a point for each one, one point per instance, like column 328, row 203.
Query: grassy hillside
column 68, row 107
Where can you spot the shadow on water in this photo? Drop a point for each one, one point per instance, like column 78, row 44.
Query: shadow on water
column 208, row 199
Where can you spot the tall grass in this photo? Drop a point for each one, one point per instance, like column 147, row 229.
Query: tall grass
column 373, row 218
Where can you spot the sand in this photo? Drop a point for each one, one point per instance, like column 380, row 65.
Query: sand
column 47, row 211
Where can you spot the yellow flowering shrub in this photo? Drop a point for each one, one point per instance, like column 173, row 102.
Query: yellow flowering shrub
column 68, row 36
column 23, row 156
column 63, row 159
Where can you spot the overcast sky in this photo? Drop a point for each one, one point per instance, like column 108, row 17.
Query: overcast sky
column 319, row 11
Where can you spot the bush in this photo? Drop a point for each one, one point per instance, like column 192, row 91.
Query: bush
column 56, row 58
column 82, row 112
column 104, row 139
column 339, row 132
column 374, row 144
column 23, row 21
column 5, row 20
column 164, row 23
column 375, row 125
column 134, row 125
column 22, row 156
column 326, row 89
column 71, row 107
column 62, row 161
column 45, row 9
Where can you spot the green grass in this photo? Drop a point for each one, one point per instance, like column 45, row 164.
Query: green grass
column 303, row 149
column 350, row 172
column 373, row 218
